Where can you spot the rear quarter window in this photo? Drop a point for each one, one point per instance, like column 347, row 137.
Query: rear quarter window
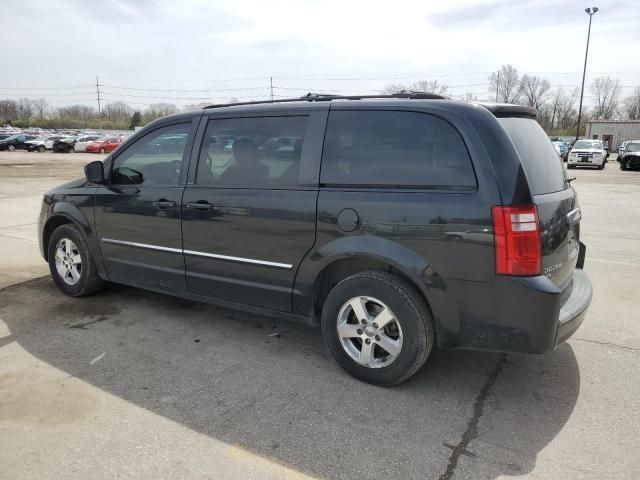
column 539, row 158
column 394, row 149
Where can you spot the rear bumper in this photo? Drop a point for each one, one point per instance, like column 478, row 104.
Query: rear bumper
column 574, row 309
column 512, row 314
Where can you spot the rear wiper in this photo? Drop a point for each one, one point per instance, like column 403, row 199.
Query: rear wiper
column 571, row 179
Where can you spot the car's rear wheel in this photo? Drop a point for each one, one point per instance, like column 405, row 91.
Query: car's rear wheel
column 70, row 262
column 11, row 148
column 377, row 328
column 41, row 148
column 103, row 151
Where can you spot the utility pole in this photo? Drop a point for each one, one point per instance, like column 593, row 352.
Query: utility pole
column 271, row 87
column 98, row 94
column 497, row 86
column 591, row 12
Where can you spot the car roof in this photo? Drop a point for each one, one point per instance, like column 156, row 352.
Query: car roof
column 400, row 100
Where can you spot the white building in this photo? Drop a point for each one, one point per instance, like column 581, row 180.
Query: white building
column 613, row 131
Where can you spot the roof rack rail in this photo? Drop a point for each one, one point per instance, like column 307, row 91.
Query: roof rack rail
column 326, row 97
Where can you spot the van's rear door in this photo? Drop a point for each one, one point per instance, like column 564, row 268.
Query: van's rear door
column 556, row 201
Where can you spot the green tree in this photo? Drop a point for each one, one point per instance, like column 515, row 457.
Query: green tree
column 136, row 119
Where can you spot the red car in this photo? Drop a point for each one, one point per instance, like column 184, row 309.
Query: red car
column 104, row 145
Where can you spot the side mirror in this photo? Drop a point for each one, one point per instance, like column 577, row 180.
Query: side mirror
column 94, row 172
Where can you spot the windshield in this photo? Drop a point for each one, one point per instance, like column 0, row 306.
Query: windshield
column 588, row 144
column 632, row 147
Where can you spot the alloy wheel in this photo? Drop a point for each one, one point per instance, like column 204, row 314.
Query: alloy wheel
column 68, row 261
column 369, row 332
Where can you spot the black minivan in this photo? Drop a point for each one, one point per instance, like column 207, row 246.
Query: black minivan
column 395, row 223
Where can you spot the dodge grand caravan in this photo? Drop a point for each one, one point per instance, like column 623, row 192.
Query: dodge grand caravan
column 394, row 223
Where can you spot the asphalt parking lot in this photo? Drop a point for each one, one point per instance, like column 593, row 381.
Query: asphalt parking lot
column 132, row 384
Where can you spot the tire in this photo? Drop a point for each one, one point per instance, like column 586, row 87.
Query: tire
column 88, row 281
column 11, row 148
column 411, row 323
column 623, row 165
column 571, row 166
column 601, row 167
column 41, row 148
column 103, row 151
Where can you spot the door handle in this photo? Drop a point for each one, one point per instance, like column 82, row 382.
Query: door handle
column 164, row 204
column 199, row 205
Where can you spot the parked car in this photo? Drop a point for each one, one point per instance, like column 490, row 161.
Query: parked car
column 621, row 148
column 348, row 233
column 4, row 136
column 83, row 140
column 64, row 145
column 103, row 145
column 42, row 143
column 630, row 159
column 587, row 153
column 562, row 149
column 15, row 142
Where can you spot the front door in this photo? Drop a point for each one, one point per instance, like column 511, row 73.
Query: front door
column 137, row 213
column 248, row 219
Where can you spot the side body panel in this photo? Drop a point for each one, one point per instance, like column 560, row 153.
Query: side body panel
column 248, row 245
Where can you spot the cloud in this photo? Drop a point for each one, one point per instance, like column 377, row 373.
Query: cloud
column 306, row 45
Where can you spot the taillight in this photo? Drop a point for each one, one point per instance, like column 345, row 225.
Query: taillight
column 517, row 240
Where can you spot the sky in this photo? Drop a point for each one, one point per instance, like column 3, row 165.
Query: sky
column 192, row 51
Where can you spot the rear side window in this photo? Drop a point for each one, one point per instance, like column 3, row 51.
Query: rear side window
column 394, row 149
column 539, row 158
column 252, row 152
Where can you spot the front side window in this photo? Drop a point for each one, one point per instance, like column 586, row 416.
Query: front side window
column 252, row 152
column 155, row 159
column 394, row 149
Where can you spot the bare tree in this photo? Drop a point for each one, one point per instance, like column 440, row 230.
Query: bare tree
column 8, row 111
column 506, row 84
column 117, row 112
column 40, row 106
column 607, row 93
column 631, row 105
column 427, row 86
column 25, row 109
column 469, row 97
column 158, row 110
column 534, row 90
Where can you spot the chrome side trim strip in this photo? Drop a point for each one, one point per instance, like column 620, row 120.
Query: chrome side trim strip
column 265, row 263
column 285, row 266
column 142, row 245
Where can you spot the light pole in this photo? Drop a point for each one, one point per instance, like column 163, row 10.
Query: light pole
column 591, row 12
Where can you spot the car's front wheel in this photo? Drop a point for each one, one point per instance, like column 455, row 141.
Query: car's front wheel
column 11, row 148
column 377, row 328
column 41, row 148
column 103, row 151
column 70, row 262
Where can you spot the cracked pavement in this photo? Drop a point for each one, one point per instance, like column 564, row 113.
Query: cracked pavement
column 138, row 385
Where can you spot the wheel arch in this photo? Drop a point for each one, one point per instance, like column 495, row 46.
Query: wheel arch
column 324, row 268
column 64, row 213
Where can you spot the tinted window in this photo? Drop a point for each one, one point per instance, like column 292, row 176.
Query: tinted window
column 539, row 159
column 262, row 151
column 154, row 159
column 387, row 148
